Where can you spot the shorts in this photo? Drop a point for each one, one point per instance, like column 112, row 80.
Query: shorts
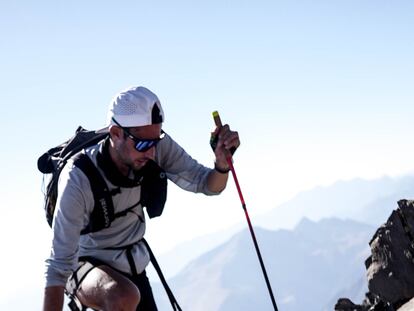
column 141, row 281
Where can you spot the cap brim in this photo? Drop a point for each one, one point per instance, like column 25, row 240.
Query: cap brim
column 103, row 130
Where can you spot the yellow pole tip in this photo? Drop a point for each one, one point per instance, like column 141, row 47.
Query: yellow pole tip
column 215, row 113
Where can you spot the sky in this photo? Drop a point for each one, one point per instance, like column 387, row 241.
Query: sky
column 318, row 91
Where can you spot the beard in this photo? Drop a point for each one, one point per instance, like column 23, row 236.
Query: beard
column 137, row 165
column 132, row 160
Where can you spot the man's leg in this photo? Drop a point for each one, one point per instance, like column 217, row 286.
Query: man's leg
column 147, row 302
column 106, row 289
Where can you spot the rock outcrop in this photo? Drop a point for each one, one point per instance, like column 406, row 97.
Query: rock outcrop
column 390, row 268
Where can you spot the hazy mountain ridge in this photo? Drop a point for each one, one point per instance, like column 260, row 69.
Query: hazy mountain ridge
column 307, row 267
column 175, row 260
column 367, row 201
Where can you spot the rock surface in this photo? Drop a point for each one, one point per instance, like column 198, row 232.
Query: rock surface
column 390, row 268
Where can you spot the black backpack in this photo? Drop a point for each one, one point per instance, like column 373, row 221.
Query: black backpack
column 153, row 184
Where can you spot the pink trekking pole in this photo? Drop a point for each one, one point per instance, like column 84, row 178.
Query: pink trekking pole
column 218, row 123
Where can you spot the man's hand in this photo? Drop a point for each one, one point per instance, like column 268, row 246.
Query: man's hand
column 224, row 143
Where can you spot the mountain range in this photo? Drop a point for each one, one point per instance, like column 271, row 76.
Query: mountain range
column 308, row 268
column 362, row 200
column 368, row 201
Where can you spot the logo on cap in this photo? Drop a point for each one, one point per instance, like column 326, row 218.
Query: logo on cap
column 156, row 116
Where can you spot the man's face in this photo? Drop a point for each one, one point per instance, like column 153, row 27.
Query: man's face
column 128, row 154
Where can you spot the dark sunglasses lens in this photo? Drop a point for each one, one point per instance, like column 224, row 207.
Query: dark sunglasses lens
column 144, row 145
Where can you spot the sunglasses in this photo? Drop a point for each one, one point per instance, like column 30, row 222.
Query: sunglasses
column 141, row 145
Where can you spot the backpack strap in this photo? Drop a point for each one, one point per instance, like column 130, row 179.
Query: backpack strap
column 173, row 301
column 73, row 284
column 131, row 262
column 103, row 212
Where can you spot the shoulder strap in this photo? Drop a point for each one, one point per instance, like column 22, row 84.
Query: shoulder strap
column 103, row 211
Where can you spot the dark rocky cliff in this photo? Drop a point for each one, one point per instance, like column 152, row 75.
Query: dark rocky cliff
column 390, row 268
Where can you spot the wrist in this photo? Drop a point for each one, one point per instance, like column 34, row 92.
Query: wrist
column 221, row 169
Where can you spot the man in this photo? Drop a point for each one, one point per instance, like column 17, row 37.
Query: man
column 116, row 255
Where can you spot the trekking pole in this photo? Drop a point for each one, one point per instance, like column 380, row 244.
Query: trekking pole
column 218, row 123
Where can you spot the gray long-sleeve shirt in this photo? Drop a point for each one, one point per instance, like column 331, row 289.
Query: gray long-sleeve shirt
column 75, row 204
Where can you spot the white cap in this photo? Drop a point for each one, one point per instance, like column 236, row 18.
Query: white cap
column 136, row 106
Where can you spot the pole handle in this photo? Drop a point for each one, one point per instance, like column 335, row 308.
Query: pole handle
column 217, row 119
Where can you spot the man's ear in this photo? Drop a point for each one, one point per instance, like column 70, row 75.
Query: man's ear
column 116, row 133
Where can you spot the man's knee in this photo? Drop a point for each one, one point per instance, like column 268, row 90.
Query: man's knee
column 104, row 288
column 121, row 296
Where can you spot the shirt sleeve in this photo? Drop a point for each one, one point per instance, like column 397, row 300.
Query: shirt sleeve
column 181, row 168
column 68, row 221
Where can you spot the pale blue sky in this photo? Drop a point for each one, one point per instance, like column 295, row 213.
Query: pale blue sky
column 318, row 90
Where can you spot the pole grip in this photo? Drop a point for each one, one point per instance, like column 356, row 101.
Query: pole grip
column 217, row 119
column 218, row 123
